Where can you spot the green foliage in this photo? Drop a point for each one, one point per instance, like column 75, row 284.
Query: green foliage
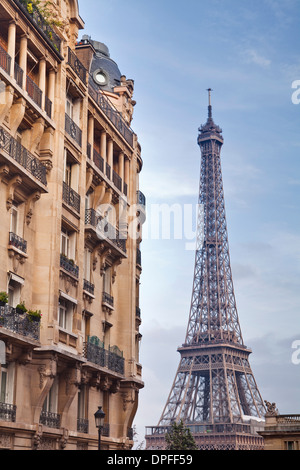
column 3, row 297
column 179, row 437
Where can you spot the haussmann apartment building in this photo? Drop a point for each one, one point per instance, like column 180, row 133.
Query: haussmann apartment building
column 71, row 216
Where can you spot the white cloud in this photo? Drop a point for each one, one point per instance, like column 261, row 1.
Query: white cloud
column 252, row 56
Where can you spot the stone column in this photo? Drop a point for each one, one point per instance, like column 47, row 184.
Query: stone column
column 91, row 127
column 103, row 147
column 23, row 59
column 110, row 155
column 42, row 80
column 121, row 167
column 51, row 88
column 127, row 173
column 11, row 49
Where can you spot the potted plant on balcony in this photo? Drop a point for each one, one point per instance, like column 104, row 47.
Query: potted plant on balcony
column 3, row 299
column 21, row 309
column 34, row 315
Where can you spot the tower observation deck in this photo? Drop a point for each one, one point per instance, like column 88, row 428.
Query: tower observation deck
column 214, row 392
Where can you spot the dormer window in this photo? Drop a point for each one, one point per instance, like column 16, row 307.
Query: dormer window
column 100, row 77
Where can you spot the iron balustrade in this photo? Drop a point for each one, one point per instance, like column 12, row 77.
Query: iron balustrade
column 98, row 160
column 8, row 412
column 141, row 199
column 52, row 420
column 107, row 299
column 106, row 430
column 111, row 112
column 138, row 257
column 69, row 266
column 77, row 66
column 20, row 324
column 138, row 312
column 18, row 73
column 125, row 190
column 112, row 358
column 71, row 198
column 41, row 23
column 22, row 156
column 108, row 170
column 48, row 107
column 117, row 180
column 88, row 287
column 104, row 229
column 83, row 425
column 17, row 242
column 5, row 60
column 34, row 91
column 73, row 130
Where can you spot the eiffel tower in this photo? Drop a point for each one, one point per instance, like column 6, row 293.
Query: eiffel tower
column 214, row 392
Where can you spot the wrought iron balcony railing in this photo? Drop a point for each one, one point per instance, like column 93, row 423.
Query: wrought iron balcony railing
column 5, row 60
column 22, row 156
column 141, row 199
column 8, row 412
column 77, row 66
column 17, row 242
column 138, row 312
column 138, row 257
column 88, row 287
column 69, row 266
column 73, row 130
column 52, row 420
column 34, row 91
column 48, row 107
column 105, row 230
column 107, row 299
column 20, row 324
column 98, row 160
column 117, row 180
column 112, row 358
column 83, row 425
column 33, row 13
column 18, row 73
column 111, row 112
column 71, row 198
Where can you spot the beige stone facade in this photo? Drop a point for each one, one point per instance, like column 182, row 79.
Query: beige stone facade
column 71, row 220
column 281, row 432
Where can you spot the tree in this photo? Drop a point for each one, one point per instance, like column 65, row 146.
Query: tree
column 179, row 437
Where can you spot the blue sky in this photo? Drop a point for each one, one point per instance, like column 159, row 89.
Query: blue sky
column 248, row 53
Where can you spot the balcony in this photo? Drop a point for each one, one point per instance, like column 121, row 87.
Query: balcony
column 22, row 156
column 17, row 242
column 112, row 358
column 88, row 287
column 20, row 324
column 69, row 266
column 107, row 300
column 71, row 198
column 111, row 113
column 83, row 425
column 18, row 74
column 52, row 420
column 34, row 91
column 138, row 258
column 105, row 231
column 73, row 130
column 8, row 412
column 35, row 16
column 141, row 199
column 5, row 60
column 77, row 66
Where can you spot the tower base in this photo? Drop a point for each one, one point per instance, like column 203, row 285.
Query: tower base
column 217, row 437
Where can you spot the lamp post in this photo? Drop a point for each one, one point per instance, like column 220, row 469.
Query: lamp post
column 99, row 420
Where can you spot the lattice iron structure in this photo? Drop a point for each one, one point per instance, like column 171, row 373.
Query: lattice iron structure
column 214, row 391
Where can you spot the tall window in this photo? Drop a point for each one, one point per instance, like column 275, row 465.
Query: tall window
column 14, row 219
column 87, row 264
column 7, row 383
column 65, row 314
column 107, row 280
column 50, row 403
column 65, row 242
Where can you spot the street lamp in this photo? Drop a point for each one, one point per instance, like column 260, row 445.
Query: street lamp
column 99, row 420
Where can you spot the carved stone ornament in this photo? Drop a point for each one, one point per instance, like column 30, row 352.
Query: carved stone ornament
column 271, row 409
